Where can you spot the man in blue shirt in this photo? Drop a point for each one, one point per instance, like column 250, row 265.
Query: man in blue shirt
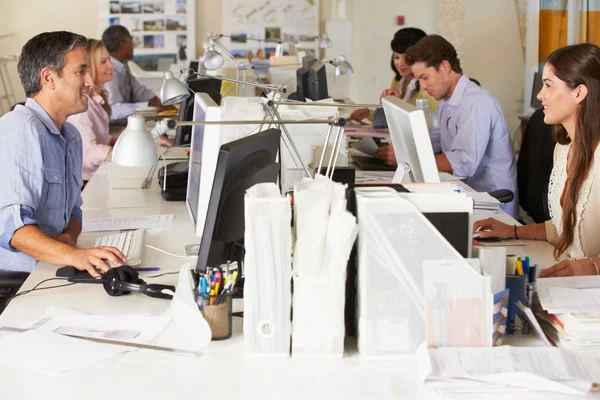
column 41, row 157
column 474, row 141
column 125, row 93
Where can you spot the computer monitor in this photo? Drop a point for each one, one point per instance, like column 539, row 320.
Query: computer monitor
column 205, row 109
column 194, row 65
column 308, row 61
column 536, row 104
column 241, row 164
column 302, row 83
column 317, row 82
column 210, row 86
column 412, row 145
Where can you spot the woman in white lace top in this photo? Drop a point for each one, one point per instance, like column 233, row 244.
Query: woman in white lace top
column 571, row 100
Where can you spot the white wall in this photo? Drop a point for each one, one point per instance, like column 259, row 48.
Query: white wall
column 374, row 25
column 491, row 51
column 26, row 18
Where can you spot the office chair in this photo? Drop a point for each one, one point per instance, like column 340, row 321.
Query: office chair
column 534, row 167
column 10, row 282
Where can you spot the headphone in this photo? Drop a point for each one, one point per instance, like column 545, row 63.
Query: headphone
column 124, row 280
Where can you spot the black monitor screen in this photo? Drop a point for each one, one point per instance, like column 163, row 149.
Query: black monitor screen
column 241, row 164
column 210, row 86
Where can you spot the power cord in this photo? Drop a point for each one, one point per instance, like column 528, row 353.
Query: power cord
column 168, row 253
column 164, row 273
column 48, row 287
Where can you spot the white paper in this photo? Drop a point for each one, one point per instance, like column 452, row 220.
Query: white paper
column 569, row 300
column 367, row 145
column 550, row 363
column 53, row 354
column 158, row 222
column 534, row 322
column 188, row 329
column 126, row 328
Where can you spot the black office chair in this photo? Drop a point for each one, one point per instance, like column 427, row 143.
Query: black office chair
column 535, row 166
column 10, row 282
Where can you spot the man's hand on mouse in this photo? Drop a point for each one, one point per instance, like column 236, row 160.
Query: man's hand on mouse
column 87, row 259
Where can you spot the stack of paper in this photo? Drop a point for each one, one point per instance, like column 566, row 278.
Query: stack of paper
column 482, row 201
column 570, row 311
column 516, row 368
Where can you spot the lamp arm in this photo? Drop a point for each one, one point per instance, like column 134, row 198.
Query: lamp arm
column 226, row 52
column 330, row 121
column 333, row 104
column 275, row 88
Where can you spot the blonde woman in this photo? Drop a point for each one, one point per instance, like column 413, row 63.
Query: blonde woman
column 93, row 125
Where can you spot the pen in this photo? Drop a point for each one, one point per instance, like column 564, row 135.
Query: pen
column 526, row 266
column 519, row 266
column 203, row 286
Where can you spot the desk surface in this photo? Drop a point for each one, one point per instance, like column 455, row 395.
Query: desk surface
column 223, row 372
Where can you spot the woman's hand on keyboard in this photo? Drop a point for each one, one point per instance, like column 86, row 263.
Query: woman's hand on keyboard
column 87, row 259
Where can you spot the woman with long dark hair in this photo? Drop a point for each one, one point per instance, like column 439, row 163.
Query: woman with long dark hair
column 571, row 100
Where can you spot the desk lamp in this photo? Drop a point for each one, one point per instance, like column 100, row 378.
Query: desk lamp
column 175, row 91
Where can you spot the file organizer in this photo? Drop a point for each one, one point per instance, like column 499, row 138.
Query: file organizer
column 318, row 307
column 325, row 234
column 268, row 268
column 394, row 240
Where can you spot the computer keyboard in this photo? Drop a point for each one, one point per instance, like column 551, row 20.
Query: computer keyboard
column 130, row 243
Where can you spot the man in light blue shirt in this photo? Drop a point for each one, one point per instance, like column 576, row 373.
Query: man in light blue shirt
column 475, row 142
column 41, row 157
column 125, row 93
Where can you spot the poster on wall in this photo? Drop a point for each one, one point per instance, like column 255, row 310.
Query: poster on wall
column 163, row 31
column 257, row 26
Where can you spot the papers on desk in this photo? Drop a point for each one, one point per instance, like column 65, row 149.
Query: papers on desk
column 133, row 329
column 158, row 222
column 367, row 145
column 51, row 353
column 570, row 311
column 549, row 363
column 483, row 201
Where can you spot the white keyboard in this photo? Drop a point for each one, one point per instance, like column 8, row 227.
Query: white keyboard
column 130, row 243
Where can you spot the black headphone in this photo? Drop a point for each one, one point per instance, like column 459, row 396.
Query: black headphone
column 124, row 280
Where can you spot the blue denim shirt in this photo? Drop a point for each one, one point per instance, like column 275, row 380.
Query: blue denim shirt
column 41, row 178
column 475, row 139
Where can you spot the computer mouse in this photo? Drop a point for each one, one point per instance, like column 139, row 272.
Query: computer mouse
column 74, row 275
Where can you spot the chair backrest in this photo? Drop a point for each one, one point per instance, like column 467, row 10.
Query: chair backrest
column 535, row 166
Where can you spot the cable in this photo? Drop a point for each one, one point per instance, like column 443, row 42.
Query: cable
column 170, row 254
column 49, row 287
column 164, row 273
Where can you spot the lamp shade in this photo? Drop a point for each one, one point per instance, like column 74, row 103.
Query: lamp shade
column 343, row 67
column 212, row 59
column 172, row 91
column 135, row 147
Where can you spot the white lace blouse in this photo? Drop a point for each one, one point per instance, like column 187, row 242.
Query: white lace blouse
column 586, row 241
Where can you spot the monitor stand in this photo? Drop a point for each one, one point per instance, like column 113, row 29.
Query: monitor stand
column 403, row 174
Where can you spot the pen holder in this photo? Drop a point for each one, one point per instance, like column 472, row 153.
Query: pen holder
column 318, row 318
column 217, row 312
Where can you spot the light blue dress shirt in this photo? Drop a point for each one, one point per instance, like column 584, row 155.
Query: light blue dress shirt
column 41, row 178
column 125, row 93
column 475, row 139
